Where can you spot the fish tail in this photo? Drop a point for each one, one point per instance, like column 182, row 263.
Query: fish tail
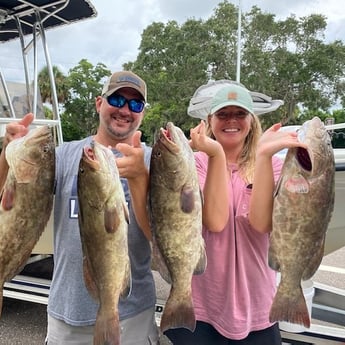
column 107, row 329
column 178, row 313
column 288, row 308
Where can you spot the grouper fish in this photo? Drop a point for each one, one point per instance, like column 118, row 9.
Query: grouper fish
column 175, row 204
column 303, row 206
column 103, row 221
column 26, row 200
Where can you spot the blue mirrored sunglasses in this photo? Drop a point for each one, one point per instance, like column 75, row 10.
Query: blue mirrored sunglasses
column 118, row 101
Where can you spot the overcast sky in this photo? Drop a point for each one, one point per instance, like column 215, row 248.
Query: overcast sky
column 113, row 37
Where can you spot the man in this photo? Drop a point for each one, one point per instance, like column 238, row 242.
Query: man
column 71, row 310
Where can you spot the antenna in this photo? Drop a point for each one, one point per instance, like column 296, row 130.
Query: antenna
column 238, row 65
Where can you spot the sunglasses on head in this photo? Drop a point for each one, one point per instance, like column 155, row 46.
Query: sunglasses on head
column 118, row 101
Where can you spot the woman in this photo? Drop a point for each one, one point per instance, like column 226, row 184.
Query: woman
column 233, row 297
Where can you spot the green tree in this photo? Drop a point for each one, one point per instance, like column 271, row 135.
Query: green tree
column 172, row 64
column 221, row 50
column 85, row 83
column 44, row 85
column 48, row 112
column 285, row 59
column 292, row 62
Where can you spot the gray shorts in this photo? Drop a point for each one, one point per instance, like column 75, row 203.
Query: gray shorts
column 138, row 330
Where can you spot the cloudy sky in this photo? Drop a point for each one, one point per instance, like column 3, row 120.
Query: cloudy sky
column 113, row 37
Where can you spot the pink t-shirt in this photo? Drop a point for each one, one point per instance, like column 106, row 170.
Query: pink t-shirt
column 235, row 292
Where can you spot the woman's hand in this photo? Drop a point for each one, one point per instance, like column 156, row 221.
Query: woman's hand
column 215, row 189
column 273, row 140
column 201, row 142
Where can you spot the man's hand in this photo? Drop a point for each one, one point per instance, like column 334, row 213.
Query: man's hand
column 18, row 129
column 132, row 167
column 132, row 164
column 14, row 130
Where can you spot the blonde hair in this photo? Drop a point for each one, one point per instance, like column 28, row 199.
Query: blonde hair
column 246, row 161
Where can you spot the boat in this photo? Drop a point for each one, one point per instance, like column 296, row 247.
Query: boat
column 27, row 21
column 22, row 18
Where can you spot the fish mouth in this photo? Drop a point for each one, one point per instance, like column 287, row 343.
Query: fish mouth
column 90, row 156
column 166, row 137
column 302, row 154
column 303, row 158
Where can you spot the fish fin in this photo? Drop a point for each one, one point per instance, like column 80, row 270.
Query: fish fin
column 107, row 329
column 202, row 263
column 187, row 199
column 292, row 309
column 178, row 312
column 157, row 261
column 111, row 220
column 297, row 184
column 88, row 280
column 8, row 196
column 273, row 261
column 126, row 212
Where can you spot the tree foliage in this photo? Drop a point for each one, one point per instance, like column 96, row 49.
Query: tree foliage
column 85, row 83
column 170, row 62
column 44, row 84
column 285, row 59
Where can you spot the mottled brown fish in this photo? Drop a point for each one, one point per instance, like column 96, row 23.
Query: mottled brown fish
column 103, row 221
column 27, row 199
column 302, row 210
column 176, row 221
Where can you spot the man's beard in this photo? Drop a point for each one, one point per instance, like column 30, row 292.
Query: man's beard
column 120, row 135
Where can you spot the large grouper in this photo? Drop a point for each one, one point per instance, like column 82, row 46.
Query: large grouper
column 26, row 200
column 303, row 206
column 103, row 221
column 175, row 204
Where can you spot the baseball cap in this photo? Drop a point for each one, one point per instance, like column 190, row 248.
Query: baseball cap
column 234, row 94
column 118, row 80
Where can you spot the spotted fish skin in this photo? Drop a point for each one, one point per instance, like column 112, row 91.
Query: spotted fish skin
column 26, row 200
column 176, row 220
column 103, row 222
column 303, row 206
